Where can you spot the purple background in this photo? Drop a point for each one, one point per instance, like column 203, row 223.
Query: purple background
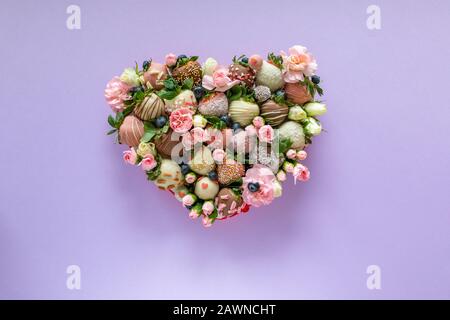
column 379, row 191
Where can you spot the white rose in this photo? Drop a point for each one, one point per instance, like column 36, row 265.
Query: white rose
column 313, row 127
column 277, row 189
column 209, row 66
column 315, row 109
column 199, row 121
column 130, row 77
column 296, row 113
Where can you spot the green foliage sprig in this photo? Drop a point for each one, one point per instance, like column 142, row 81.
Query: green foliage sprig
column 276, row 60
column 242, row 60
column 240, row 92
column 183, row 61
column 151, row 132
column 216, row 122
column 172, row 88
column 312, row 87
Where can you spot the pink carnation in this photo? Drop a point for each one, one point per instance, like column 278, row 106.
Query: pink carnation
column 148, row 163
column 264, row 177
column 266, row 133
column 181, row 120
column 130, row 156
column 297, row 64
column 116, row 93
column 219, row 81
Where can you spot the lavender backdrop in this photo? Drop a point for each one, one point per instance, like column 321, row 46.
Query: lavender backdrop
column 379, row 192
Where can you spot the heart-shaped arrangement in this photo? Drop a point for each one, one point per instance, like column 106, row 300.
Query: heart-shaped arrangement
column 221, row 139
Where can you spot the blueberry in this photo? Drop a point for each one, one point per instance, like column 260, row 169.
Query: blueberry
column 189, row 207
column 212, row 175
column 280, row 93
column 244, row 60
column 146, row 65
column 236, row 126
column 253, row 186
column 225, row 118
column 315, row 79
column 199, row 92
column 182, row 56
column 160, row 121
column 135, row 89
column 185, row 169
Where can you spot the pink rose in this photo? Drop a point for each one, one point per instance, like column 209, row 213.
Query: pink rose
column 148, row 163
column 208, row 208
column 171, row 60
column 266, row 133
column 116, row 93
column 188, row 200
column 187, row 141
column 190, row 178
column 297, row 64
column 301, row 173
column 199, row 135
column 258, row 122
column 181, row 120
column 218, row 155
column 301, row 155
column 130, row 156
column 264, row 177
column 219, row 81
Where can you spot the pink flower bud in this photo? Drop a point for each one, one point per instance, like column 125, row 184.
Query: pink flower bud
column 301, row 155
column 291, row 154
column 171, row 60
column 207, row 222
column 281, row 175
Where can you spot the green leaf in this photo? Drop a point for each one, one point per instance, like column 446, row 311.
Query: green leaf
column 167, row 95
column 188, row 83
column 276, row 60
column 111, row 131
column 112, row 121
column 154, row 174
column 284, row 145
column 216, row 122
column 234, row 93
column 193, row 58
